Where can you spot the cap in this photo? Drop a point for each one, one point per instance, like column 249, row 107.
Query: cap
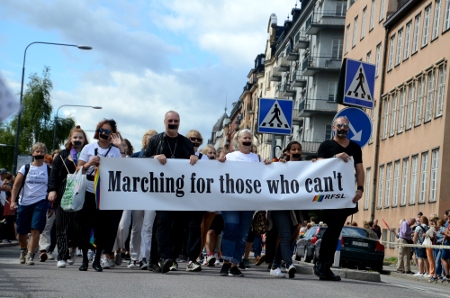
column 420, row 213
column 3, row 171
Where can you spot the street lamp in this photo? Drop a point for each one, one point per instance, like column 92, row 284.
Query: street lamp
column 56, row 116
column 16, row 148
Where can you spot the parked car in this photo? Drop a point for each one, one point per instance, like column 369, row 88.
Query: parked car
column 360, row 247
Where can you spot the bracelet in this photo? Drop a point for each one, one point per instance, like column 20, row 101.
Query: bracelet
column 84, row 168
column 121, row 152
column 360, row 188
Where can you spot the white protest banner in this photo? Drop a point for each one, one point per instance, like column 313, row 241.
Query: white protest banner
column 145, row 184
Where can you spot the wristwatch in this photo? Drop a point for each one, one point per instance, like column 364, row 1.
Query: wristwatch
column 361, row 188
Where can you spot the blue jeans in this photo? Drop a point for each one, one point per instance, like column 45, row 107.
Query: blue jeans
column 235, row 233
column 437, row 259
column 282, row 220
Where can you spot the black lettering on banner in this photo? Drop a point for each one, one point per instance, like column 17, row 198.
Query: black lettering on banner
column 201, row 185
column 324, row 184
column 144, row 181
column 114, row 180
column 126, row 186
column 135, row 182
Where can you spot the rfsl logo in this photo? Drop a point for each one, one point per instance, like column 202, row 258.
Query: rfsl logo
column 320, row 198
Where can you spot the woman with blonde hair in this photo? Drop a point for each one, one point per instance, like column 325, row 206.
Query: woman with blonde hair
column 32, row 185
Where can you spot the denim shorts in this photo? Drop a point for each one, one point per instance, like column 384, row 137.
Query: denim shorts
column 445, row 253
column 421, row 253
column 32, row 217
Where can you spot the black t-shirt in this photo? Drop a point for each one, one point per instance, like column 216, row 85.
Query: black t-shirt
column 330, row 148
column 178, row 147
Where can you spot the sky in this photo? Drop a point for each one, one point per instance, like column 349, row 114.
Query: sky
column 148, row 57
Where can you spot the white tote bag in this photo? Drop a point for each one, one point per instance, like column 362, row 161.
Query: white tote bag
column 73, row 197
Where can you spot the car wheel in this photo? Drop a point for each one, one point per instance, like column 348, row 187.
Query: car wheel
column 378, row 268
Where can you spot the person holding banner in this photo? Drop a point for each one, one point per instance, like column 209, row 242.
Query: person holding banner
column 338, row 147
column 237, row 223
column 66, row 222
column 104, row 222
column 164, row 146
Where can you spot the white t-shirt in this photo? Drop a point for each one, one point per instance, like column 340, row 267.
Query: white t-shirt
column 204, row 156
column 89, row 151
column 239, row 156
column 36, row 185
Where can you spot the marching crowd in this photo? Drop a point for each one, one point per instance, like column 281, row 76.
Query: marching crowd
column 159, row 239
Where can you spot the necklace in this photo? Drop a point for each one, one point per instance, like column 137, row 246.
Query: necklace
column 98, row 143
column 172, row 153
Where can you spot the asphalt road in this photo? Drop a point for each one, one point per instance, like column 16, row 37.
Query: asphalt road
column 46, row 280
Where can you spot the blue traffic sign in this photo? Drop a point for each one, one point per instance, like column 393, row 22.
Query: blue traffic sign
column 275, row 116
column 360, row 125
column 359, row 84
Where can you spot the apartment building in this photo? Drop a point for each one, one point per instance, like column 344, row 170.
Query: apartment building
column 405, row 160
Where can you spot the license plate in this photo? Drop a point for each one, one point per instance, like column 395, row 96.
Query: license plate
column 360, row 244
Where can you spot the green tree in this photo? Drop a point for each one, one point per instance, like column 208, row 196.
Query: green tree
column 36, row 124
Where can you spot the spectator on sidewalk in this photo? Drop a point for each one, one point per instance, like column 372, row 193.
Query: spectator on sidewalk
column 404, row 252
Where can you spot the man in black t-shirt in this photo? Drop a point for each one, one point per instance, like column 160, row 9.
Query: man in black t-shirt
column 169, row 225
column 339, row 147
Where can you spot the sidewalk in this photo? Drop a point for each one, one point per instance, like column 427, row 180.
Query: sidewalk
column 392, row 271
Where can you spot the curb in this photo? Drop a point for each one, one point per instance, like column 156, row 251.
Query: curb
column 307, row 268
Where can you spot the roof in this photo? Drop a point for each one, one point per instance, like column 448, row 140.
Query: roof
column 219, row 124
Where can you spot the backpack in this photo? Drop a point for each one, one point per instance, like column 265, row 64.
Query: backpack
column 422, row 236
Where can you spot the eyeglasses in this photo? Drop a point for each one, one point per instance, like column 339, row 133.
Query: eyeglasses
column 344, row 125
column 196, row 139
column 105, row 131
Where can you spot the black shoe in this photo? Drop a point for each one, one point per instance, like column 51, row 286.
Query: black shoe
column 323, row 271
column 154, row 268
column 165, row 265
column 97, row 267
column 83, row 267
column 234, row 271
column 242, row 265
column 225, row 269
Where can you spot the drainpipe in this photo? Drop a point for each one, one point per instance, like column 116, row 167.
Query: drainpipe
column 377, row 137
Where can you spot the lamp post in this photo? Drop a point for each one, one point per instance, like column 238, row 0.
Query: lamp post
column 16, row 148
column 56, row 116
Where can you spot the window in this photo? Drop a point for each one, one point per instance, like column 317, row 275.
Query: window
column 401, row 111
column 332, row 87
column 372, row 15
column 372, row 117
column 434, row 174
column 367, row 189
column 341, row 8
column 413, row 187
column 410, row 112
column 368, row 56
column 386, row 117
column 419, row 104
column 391, row 52
column 382, row 10
column 441, row 90
column 426, row 25
column 328, row 132
column 430, row 97
column 415, row 42
column 423, row 177
column 447, row 16
column 347, row 37
column 398, row 56
column 363, row 23
column 355, row 31
column 407, row 40
column 396, row 183
column 387, row 197
column 394, row 114
column 404, row 180
column 336, row 48
column 380, row 187
column 377, row 59
column 437, row 20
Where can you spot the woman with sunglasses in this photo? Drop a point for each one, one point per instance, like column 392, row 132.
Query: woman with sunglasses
column 104, row 222
column 65, row 163
column 286, row 222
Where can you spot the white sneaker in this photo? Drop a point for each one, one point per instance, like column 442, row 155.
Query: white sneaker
column 79, row 253
column 217, row 262
column 132, row 264
column 105, row 263
column 277, row 273
column 90, row 255
column 50, row 256
column 418, row 274
column 61, row 264
column 72, row 255
column 426, row 275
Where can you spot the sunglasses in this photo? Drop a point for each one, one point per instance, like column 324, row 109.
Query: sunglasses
column 196, row 139
column 345, row 125
column 105, row 131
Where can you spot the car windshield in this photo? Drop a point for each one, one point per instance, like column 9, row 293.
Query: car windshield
column 359, row 232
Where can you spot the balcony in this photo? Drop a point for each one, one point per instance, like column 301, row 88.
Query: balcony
column 274, row 75
column 312, row 65
column 283, row 64
column 309, row 148
column 301, row 41
column 318, row 21
column 296, row 119
column 287, row 90
column 309, row 107
column 299, row 80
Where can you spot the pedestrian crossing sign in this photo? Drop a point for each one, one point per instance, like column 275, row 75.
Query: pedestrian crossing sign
column 359, row 83
column 275, row 116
